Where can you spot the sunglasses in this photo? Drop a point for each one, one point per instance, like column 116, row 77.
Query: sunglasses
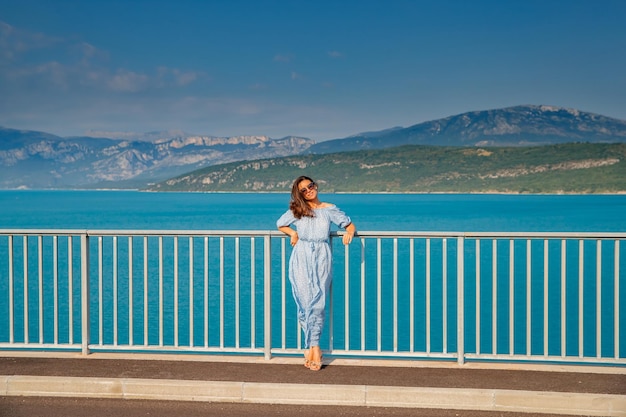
column 311, row 186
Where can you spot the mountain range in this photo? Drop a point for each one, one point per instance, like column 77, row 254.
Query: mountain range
column 31, row 159
column 512, row 126
column 40, row 160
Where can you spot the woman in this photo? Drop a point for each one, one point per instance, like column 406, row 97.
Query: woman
column 311, row 259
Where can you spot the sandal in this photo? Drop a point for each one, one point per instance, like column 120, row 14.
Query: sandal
column 307, row 361
column 315, row 366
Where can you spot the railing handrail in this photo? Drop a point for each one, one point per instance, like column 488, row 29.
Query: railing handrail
column 359, row 233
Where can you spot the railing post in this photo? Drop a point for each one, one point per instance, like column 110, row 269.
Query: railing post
column 84, row 292
column 460, row 314
column 267, row 297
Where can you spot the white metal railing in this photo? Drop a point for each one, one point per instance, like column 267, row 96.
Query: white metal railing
column 430, row 295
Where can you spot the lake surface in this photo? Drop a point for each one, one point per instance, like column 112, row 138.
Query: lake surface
column 373, row 212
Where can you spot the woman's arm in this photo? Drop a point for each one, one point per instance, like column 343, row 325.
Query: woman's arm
column 350, row 230
column 291, row 233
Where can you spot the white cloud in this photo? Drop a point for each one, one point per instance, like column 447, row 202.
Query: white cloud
column 68, row 86
column 335, row 54
column 55, row 72
column 40, row 77
column 173, row 76
column 15, row 42
column 88, row 53
column 185, row 78
column 282, row 58
column 127, row 81
column 37, row 63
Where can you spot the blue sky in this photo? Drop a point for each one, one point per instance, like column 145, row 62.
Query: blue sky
column 320, row 69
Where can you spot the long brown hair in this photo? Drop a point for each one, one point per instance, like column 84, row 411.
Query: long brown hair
column 298, row 205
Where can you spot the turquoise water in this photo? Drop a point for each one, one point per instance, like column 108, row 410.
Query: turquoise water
column 379, row 212
column 130, row 210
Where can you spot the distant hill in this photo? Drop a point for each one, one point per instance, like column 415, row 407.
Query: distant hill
column 512, row 126
column 562, row 168
column 39, row 160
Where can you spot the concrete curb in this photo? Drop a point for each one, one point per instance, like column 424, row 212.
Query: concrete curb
column 319, row 394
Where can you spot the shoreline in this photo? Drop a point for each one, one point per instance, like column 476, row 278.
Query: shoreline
column 491, row 192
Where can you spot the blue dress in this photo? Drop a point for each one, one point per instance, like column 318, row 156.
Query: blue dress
column 310, row 266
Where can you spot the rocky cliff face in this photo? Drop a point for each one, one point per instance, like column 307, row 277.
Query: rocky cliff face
column 39, row 160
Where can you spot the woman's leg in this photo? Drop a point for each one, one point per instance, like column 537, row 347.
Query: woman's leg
column 309, row 275
column 318, row 307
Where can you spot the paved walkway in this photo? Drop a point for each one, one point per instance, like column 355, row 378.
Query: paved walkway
column 598, row 391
